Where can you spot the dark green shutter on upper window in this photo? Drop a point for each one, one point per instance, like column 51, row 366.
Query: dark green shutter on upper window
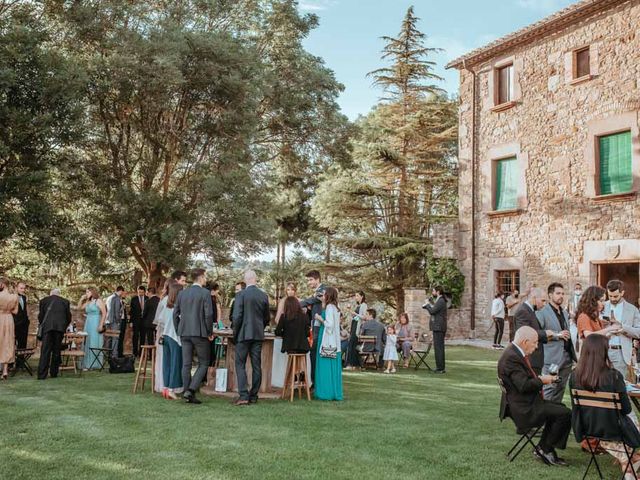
column 615, row 163
column 506, row 190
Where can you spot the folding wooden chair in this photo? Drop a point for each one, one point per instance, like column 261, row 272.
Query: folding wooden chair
column 22, row 359
column 368, row 357
column 605, row 400
column 526, row 435
column 420, row 353
column 74, row 353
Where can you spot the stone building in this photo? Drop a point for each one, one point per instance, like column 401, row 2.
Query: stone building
column 549, row 156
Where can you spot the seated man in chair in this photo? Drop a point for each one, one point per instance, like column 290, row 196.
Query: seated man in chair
column 523, row 401
column 374, row 328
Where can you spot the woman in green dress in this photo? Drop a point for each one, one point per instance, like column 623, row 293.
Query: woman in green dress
column 328, row 381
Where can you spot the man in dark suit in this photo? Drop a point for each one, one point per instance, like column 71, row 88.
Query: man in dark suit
column 373, row 327
column 136, row 308
column 526, row 316
column 55, row 317
column 193, row 321
column 250, row 317
column 148, row 329
column 123, row 325
column 314, row 304
column 115, row 319
column 21, row 319
column 437, row 308
column 523, row 400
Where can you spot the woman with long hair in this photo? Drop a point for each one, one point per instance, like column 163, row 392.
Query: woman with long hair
column 328, row 373
column 172, row 348
column 405, row 337
column 8, row 308
column 293, row 327
column 353, row 357
column 96, row 314
column 595, row 373
column 588, row 313
column 159, row 321
column 290, row 292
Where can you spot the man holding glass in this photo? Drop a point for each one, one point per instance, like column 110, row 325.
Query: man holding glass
column 559, row 353
column 626, row 317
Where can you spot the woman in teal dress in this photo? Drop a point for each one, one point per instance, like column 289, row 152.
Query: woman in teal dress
column 93, row 325
column 328, row 381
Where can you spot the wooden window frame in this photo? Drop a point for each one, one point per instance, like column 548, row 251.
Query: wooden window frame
column 575, row 79
column 501, row 106
column 513, row 274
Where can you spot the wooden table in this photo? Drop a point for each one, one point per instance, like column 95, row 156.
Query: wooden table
column 267, row 363
column 635, row 398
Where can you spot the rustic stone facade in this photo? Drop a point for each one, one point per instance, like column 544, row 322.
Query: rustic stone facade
column 561, row 229
column 457, row 318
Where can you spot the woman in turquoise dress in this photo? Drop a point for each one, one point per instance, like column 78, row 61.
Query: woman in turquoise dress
column 328, row 381
column 96, row 313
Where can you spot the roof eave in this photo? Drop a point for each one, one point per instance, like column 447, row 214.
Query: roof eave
column 558, row 21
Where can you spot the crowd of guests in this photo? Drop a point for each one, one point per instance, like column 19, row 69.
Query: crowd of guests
column 590, row 346
column 180, row 321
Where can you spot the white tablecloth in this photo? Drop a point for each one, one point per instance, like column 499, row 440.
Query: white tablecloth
column 279, row 364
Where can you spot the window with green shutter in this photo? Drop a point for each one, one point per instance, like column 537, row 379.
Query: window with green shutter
column 615, row 163
column 506, row 184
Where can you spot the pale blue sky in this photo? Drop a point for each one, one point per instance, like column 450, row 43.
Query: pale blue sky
column 348, row 37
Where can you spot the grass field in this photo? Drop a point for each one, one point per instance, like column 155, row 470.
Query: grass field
column 411, row 425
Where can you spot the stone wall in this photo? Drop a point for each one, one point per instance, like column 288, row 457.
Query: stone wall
column 457, row 319
column 445, row 240
column 552, row 131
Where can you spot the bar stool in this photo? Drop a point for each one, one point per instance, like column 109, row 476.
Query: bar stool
column 296, row 364
column 148, row 353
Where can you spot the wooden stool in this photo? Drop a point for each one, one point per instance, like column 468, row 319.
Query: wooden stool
column 148, row 352
column 296, row 364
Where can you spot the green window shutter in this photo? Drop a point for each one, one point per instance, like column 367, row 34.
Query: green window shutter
column 615, row 163
column 506, row 189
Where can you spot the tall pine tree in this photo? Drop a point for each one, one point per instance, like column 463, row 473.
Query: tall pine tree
column 404, row 178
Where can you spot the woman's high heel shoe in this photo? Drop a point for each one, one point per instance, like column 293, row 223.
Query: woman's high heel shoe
column 171, row 395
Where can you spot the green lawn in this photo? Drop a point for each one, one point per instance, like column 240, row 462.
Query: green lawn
column 408, row 425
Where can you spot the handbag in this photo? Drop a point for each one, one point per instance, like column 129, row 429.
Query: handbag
column 41, row 325
column 328, row 352
column 122, row 364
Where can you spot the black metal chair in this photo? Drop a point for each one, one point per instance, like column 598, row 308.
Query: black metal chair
column 526, row 435
column 604, row 400
column 420, row 353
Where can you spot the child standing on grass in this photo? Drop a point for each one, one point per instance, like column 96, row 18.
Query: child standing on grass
column 390, row 351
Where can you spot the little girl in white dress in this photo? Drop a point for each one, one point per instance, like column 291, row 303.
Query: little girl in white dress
column 390, row 350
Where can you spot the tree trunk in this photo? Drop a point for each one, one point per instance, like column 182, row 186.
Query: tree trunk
column 400, row 299
column 282, row 279
column 278, row 272
column 137, row 277
column 156, row 275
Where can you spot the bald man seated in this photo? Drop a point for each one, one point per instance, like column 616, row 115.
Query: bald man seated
column 523, row 400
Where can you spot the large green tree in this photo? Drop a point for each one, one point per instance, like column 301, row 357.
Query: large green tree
column 40, row 112
column 206, row 120
column 403, row 179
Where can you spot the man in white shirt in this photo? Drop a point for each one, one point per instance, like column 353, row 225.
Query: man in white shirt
column 497, row 315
